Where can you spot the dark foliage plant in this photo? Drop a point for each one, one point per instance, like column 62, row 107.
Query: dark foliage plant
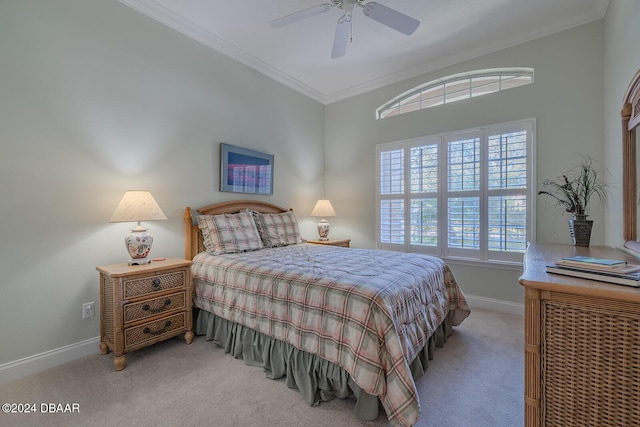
column 572, row 191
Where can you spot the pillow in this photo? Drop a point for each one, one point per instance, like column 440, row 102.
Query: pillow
column 278, row 229
column 229, row 233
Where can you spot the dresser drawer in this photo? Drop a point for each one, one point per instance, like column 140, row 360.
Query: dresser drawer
column 150, row 284
column 153, row 331
column 151, row 307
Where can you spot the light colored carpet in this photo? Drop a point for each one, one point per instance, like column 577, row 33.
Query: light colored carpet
column 476, row 379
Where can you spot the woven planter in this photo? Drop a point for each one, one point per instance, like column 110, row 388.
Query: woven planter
column 580, row 229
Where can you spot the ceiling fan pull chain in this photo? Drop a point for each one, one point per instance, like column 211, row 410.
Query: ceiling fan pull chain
column 351, row 31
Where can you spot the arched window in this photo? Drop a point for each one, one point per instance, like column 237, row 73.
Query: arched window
column 455, row 88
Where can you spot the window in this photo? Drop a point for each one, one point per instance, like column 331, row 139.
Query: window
column 456, row 88
column 465, row 194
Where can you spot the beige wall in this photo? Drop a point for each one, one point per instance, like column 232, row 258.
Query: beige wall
column 565, row 99
column 96, row 99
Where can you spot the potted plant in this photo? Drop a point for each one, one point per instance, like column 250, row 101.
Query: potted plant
column 572, row 192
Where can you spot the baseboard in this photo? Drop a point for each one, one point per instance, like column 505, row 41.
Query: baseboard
column 495, row 304
column 40, row 362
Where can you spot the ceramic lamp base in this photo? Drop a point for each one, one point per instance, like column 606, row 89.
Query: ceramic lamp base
column 138, row 244
column 323, row 230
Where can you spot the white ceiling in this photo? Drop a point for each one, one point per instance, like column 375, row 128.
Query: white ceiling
column 298, row 55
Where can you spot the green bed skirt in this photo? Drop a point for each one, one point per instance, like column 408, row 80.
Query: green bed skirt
column 317, row 379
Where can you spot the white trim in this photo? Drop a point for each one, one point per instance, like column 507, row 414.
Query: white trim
column 500, row 264
column 33, row 364
column 495, row 305
column 169, row 18
column 199, row 34
column 37, row 363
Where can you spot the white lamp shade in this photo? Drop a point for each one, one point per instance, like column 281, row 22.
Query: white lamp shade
column 136, row 206
column 323, row 208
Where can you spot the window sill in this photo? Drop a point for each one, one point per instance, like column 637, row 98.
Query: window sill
column 503, row 265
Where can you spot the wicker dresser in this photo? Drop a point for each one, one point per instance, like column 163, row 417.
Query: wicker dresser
column 582, row 345
column 141, row 305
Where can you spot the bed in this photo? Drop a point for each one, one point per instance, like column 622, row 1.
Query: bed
column 333, row 321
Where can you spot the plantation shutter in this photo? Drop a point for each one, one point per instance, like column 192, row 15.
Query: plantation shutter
column 460, row 195
column 391, row 171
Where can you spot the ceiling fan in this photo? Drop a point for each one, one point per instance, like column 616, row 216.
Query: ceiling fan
column 382, row 14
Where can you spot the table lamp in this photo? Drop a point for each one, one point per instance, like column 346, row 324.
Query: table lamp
column 323, row 209
column 136, row 206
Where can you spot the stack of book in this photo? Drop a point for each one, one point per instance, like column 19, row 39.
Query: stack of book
column 603, row 270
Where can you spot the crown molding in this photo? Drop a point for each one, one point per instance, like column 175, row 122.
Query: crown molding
column 165, row 16
column 199, row 34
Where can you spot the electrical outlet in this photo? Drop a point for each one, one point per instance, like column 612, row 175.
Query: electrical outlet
column 88, row 310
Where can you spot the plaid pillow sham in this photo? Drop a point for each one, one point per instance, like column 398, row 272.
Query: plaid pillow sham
column 278, row 229
column 229, row 233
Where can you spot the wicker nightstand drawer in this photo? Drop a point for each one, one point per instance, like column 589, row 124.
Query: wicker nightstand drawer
column 148, row 308
column 149, row 285
column 154, row 331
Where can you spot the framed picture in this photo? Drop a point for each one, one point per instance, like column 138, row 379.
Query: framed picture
column 245, row 171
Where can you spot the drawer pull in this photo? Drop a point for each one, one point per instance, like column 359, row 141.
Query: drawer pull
column 155, row 283
column 146, row 307
column 148, row 330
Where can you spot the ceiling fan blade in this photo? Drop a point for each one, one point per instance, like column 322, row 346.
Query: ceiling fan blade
column 340, row 40
column 391, row 18
column 303, row 14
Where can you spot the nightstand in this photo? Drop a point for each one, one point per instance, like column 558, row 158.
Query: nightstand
column 141, row 305
column 332, row 242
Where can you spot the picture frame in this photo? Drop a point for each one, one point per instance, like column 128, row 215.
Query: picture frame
column 245, row 171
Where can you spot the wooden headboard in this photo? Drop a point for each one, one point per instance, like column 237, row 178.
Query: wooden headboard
column 193, row 241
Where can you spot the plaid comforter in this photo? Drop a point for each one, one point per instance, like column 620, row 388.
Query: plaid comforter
column 367, row 311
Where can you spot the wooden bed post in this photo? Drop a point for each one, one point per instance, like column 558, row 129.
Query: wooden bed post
column 187, row 233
